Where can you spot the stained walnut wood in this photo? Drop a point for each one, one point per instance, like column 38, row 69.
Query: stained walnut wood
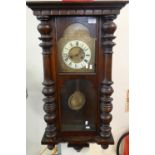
column 54, row 18
column 45, row 30
column 76, row 8
column 107, row 30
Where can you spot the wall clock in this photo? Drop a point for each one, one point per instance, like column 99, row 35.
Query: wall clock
column 77, row 41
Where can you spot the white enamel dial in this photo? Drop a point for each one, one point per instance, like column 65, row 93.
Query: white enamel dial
column 76, row 54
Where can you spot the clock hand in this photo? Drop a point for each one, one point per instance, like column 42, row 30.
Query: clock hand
column 79, row 52
column 74, row 55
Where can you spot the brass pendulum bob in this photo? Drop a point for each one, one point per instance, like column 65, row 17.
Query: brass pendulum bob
column 77, row 99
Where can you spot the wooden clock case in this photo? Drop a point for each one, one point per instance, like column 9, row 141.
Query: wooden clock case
column 54, row 18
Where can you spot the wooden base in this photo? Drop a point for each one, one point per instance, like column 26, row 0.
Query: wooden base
column 78, row 142
column 104, row 146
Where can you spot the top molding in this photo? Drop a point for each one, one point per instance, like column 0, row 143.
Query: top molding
column 59, row 8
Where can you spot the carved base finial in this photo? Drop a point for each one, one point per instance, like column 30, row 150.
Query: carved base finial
column 78, row 147
column 104, row 146
column 50, row 147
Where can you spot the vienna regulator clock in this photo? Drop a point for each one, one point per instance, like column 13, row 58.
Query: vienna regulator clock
column 77, row 41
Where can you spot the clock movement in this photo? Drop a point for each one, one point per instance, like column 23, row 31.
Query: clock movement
column 77, row 41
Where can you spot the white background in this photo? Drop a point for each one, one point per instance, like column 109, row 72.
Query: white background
column 13, row 77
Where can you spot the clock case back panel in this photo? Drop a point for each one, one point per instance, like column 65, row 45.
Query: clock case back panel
column 93, row 80
column 83, row 119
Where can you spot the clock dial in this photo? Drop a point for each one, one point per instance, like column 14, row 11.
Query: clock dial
column 76, row 50
column 76, row 54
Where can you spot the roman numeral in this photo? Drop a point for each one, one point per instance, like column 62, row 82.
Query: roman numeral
column 66, row 59
column 71, row 44
column 82, row 65
column 65, row 55
column 85, row 60
column 77, row 43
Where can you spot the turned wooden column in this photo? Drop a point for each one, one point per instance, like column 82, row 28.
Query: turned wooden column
column 45, row 30
column 107, row 29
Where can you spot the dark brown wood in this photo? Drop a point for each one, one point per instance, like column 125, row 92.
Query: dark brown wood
column 79, row 138
column 45, row 30
column 108, row 28
column 54, row 18
column 76, row 8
